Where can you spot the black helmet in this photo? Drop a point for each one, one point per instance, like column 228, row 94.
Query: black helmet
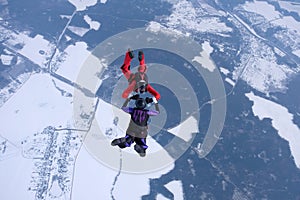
column 142, row 86
column 140, row 103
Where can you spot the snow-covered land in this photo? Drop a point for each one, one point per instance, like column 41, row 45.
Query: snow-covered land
column 186, row 18
column 35, row 125
column 204, row 58
column 282, row 121
column 73, row 59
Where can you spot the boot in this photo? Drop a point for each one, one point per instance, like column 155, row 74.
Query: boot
column 140, row 150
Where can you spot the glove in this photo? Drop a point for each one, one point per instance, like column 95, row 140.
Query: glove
column 130, row 95
column 135, row 97
column 148, row 100
column 154, row 100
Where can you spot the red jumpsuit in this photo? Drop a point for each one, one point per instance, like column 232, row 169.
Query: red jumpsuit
column 131, row 77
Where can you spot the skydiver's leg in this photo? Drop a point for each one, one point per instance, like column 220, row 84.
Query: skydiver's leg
column 126, row 65
column 152, row 91
column 141, row 58
column 123, row 141
column 142, row 67
column 141, row 142
column 140, row 146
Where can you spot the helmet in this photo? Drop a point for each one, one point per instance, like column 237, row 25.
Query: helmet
column 140, row 103
column 141, row 86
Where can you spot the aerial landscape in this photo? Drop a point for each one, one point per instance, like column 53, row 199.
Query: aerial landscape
column 228, row 76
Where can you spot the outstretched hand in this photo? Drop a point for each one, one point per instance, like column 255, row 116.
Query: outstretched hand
column 154, row 100
column 135, row 97
column 150, row 100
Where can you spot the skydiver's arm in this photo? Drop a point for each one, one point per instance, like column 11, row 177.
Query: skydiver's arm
column 129, row 89
column 151, row 101
column 152, row 91
column 157, row 107
column 125, row 108
column 126, row 103
column 156, row 111
column 152, row 113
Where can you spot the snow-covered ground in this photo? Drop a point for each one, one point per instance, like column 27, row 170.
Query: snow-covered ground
column 16, row 176
column 23, row 116
column 81, row 31
column 204, row 58
column 14, row 85
column 231, row 82
column 290, row 25
column 6, row 59
column 93, row 24
column 290, row 6
column 186, row 18
column 224, row 71
column 261, row 71
column 82, row 5
column 282, row 121
column 269, row 12
column 263, row 8
column 248, row 27
column 36, row 48
column 260, row 68
column 46, row 106
column 74, row 58
column 176, row 188
column 93, row 180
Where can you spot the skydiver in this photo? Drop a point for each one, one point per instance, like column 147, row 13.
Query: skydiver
column 137, row 130
column 138, row 82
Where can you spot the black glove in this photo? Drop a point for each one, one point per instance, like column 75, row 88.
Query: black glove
column 148, row 100
column 135, row 97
